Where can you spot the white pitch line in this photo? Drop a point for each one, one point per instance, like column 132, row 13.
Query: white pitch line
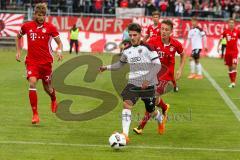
column 130, row 146
column 224, row 96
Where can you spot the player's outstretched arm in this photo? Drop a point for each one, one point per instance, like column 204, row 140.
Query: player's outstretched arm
column 60, row 47
column 183, row 58
column 18, row 48
column 112, row 67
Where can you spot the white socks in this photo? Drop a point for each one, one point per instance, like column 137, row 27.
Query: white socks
column 159, row 117
column 199, row 69
column 126, row 120
column 192, row 66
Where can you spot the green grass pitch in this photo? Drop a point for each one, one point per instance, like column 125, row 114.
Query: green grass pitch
column 201, row 125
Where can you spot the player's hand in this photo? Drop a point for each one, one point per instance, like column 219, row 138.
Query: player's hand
column 18, row 56
column 60, row 56
column 218, row 50
column 178, row 74
column 102, row 68
column 145, row 84
column 206, row 49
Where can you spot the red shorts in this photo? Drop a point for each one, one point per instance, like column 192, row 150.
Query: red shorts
column 40, row 71
column 164, row 86
column 231, row 59
column 168, row 75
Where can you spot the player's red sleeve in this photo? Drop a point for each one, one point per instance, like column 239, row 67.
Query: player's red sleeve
column 23, row 29
column 239, row 33
column 179, row 47
column 54, row 32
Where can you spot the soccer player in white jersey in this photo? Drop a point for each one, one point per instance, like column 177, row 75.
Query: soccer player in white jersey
column 196, row 35
column 144, row 66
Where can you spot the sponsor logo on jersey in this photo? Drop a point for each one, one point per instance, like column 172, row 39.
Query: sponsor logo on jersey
column 44, row 30
column 171, row 48
column 135, row 59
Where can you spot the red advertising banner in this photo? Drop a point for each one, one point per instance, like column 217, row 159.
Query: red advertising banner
column 90, row 24
column 99, row 35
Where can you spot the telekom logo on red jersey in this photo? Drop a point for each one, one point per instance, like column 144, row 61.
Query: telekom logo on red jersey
column 33, row 36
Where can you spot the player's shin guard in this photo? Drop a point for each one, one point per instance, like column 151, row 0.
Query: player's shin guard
column 145, row 119
column 33, row 100
column 126, row 120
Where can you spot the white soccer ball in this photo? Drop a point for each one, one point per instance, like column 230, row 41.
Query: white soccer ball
column 117, row 140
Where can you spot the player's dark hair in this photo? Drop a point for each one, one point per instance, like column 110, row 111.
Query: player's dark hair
column 168, row 22
column 155, row 13
column 41, row 8
column 134, row 27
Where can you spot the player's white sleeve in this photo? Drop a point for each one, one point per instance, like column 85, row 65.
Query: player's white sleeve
column 119, row 64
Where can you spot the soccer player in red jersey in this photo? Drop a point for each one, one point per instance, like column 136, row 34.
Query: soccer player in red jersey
column 39, row 58
column 154, row 29
column 231, row 56
column 166, row 46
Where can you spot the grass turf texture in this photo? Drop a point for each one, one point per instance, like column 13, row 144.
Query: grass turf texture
column 199, row 123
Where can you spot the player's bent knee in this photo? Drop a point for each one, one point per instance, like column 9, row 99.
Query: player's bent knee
column 32, row 81
column 127, row 104
column 149, row 104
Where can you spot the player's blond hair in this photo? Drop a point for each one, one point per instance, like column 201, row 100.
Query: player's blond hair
column 40, row 8
column 154, row 13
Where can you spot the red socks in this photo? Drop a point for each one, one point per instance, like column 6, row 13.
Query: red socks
column 144, row 121
column 174, row 83
column 33, row 100
column 162, row 105
column 232, row 76
column 53, row 95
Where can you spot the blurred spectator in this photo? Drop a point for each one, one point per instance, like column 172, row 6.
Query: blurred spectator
column 171, row 7
column 3, row 4
column 163, row 5
column 226, row 8
column 149, row 8
column 217, row 10
column 124, row 4
column 236, row 10
column 108, row 7
column 179, row 8
column 136, row 4
column 87, row 6
column 97, row 6
column 188, row 8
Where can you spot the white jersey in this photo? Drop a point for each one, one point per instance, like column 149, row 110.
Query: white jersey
column 142, row 67
column 196, row 35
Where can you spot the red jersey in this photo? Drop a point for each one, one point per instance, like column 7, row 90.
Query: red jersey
column 167, row 55
column 39, row 41
column 232, row 40
column 153, row 31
